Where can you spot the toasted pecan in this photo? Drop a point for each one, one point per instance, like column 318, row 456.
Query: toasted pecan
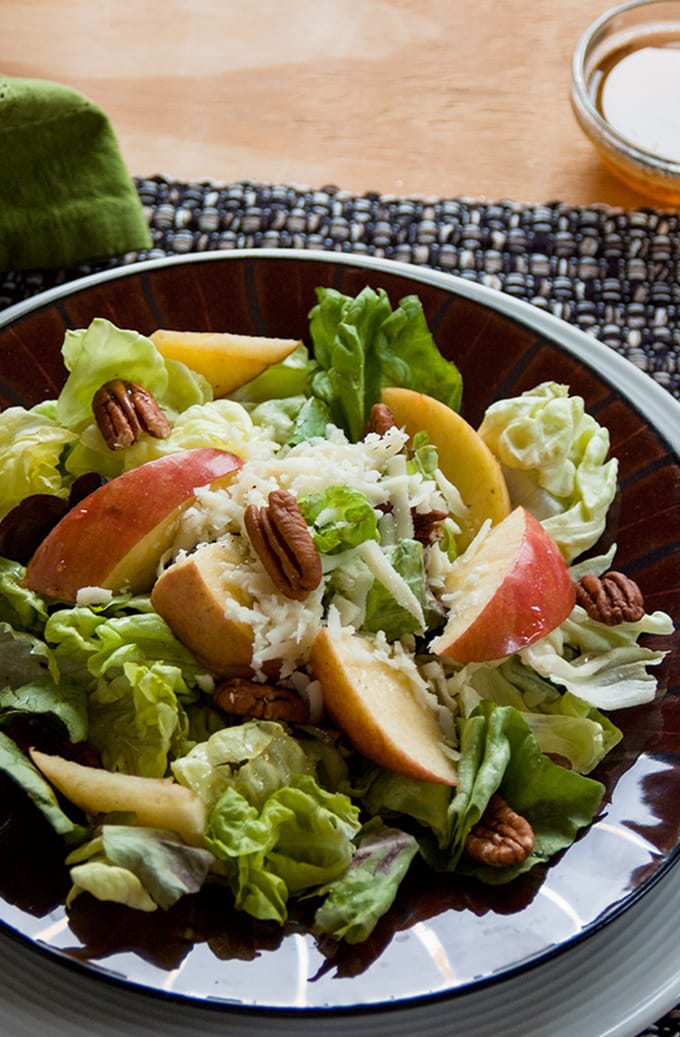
column 613, row 598
column 242, row 697
column 281, row 538
column 501, row 838
column 123, row 410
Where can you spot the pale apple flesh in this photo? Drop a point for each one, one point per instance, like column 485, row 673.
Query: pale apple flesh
column 464, row 457
column 513, row 590
column 155, row 802
column 227, row 360
column 192, row 594
column 378, row 708
column 115, row 537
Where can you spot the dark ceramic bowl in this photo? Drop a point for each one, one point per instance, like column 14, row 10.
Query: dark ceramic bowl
column 443, row 937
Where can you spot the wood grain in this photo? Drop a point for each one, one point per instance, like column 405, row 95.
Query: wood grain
column 439, row 97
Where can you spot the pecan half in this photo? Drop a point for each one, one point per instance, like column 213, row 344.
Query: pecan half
column 123, row 410
column 264, row 701
column 611, row 599
column 501, row 837
column 380, row 419
column 281, row 538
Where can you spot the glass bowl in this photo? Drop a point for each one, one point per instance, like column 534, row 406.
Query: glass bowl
column 625, row 71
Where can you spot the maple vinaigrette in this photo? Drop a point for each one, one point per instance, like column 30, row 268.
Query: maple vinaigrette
column 636, row 89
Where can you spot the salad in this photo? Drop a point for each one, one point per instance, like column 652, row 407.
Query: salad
column 274, row 616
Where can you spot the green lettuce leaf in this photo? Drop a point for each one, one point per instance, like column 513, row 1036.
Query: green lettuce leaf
column 290, row 377
column 602, row 665
column 366, row 890
column 30, row 686
column 138, row 678
column 554, row 458
column 140, row 867
column 257, row 757
column 32, row 446
column 562, row 723
column 499, row 753
column 339, row 518
column 21, row 608
column 102, row 352
column 299, row 840
column 16, row 766
column 362, row 345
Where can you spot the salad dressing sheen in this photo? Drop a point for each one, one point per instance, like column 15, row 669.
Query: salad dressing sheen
column 637, row 92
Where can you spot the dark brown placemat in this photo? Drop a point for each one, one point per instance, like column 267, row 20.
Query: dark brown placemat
column 612, row 273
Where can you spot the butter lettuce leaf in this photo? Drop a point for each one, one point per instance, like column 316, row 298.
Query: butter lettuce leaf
column 604, row 666
column 32, row 447
column 555, row 461
column 138, row 677
column 355, row 902
column 20, row 607
column 140, row 867
column 102, row 352
column 299, row 840
column 16, row 766
column 339, row 518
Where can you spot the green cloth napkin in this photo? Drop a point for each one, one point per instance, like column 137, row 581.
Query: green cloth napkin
column 65, row 194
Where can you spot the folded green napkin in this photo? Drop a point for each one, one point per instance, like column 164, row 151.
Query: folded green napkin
column 65, row 194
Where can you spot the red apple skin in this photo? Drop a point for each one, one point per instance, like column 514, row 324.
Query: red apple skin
column 114, row 538
column 533, row 595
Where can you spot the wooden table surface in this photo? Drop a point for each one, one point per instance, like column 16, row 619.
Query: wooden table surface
column 407, row 97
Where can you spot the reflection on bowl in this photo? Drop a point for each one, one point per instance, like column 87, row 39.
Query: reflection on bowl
column 625, row 72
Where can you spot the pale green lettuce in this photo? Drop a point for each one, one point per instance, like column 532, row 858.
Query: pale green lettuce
column 602, row 665
column 555, row 461
column 32, row 446
column 102, row 352
column 139, row 679
column 562, row 723
column 143, row 868
column 299, row 839
column 356, row 900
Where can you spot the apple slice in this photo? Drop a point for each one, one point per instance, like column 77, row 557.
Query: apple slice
column 115, row 537
column 513, row 589
column 378, row 707
column 191, row 597
column 464, row 457
column 156, row 802
column 228, row 361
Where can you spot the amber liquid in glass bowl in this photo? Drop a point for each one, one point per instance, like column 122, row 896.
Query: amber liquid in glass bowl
column 636, row 89
column 626, row 94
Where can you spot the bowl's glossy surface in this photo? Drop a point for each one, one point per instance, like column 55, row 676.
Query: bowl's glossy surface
column 442, row 936
column 631, row 134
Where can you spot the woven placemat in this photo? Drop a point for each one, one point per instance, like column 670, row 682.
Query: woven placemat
column 612, row 273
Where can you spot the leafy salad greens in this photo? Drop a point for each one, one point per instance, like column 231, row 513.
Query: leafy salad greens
column 292, row 810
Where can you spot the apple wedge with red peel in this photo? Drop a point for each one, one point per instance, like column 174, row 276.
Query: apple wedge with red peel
column 511, row 591
column 116, row 537
column 378, row 707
